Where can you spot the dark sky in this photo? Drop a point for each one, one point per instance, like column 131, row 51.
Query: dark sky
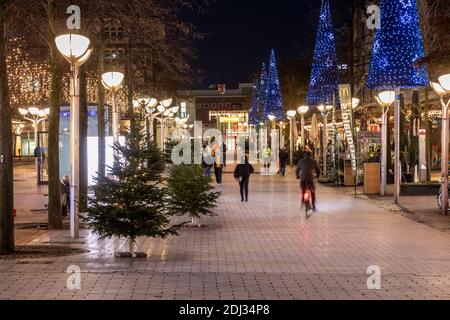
column 240, row 34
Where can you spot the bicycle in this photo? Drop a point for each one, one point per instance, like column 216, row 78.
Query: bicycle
column 307, row 201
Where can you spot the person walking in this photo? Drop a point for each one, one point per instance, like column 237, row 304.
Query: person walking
column 242, row 174
column 267, row 158
column 65, row 195
column 207, row 161
column 224, row 154
column 283, row 161
column 218, row 162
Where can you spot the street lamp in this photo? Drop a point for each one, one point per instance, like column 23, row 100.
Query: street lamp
column 355, row 103
column 155, row 108
column 147, row 106
column 166, row 115
column 35, row 116
column 384, row 99
column 291, row 116
column 112, row 81
column 303, row 110
column 75, row 49
column 442, row 89
column 273, row 119
column 325, row 110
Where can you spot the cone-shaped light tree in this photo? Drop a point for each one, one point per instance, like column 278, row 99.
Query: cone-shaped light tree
column 323, row 85
column 396, row 50
column 274, row 102
column 254, row 114
column 263, row 88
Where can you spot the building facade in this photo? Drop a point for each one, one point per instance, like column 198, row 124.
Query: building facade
column 220, row 108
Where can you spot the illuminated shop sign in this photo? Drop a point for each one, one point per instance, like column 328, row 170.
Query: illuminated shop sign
column 345, row 96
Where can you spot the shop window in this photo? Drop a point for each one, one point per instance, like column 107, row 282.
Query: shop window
column 183, row 110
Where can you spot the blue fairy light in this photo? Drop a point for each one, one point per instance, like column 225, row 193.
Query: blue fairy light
column 323, row 85
column 274, row 102
column 397, row 48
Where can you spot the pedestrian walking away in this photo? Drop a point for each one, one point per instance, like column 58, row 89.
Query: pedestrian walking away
column 242, row 174
column 283, row 161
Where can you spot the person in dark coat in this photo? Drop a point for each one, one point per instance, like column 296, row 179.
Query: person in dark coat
column 306, row 168
column 224, row 154
column 242, row 174
column 283, row 161
column 65, row 195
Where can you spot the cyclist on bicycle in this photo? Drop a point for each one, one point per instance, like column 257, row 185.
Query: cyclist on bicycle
column 306, row 168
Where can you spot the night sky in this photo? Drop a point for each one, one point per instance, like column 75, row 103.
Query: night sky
column 240, row 34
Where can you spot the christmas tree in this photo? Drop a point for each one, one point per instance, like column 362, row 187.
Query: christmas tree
column 169, row 144
column 263, row 91
column 133, row 202
column 254, row 116
column 274, row 102
column 397, row 48
column 191, row 192
column 323, row 85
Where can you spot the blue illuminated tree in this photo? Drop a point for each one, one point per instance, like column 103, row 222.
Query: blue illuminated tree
column 263, row 87
column 254, row 116
column 274, row 101
column 323, row 85
column 397, row 48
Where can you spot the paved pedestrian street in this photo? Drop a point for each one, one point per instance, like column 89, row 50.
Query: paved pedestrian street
column 263, row 249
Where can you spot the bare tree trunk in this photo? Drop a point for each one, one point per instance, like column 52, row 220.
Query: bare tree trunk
column 129, row 77
column 83, row 141
column 6, row 155
column 101, row 111
column 54, row 198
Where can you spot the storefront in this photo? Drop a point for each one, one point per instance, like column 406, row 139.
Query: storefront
column 233, row 125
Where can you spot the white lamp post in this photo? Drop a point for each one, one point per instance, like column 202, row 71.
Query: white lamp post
column 442, row 89
column 153, row 109
column 303, row 110
column 273, row 119
column 112, row 81
column 35, row 116
column 325, row 110
column 384, row 99
column 291, row 116
column 75, row 49
column 147, row 106
column 167, row 115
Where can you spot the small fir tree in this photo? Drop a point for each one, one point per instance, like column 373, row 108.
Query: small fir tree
column 191, row 192
column 168, row 148
column 133, row 202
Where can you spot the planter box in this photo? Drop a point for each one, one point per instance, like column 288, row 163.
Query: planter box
column 372, row 178
column 420, row 189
